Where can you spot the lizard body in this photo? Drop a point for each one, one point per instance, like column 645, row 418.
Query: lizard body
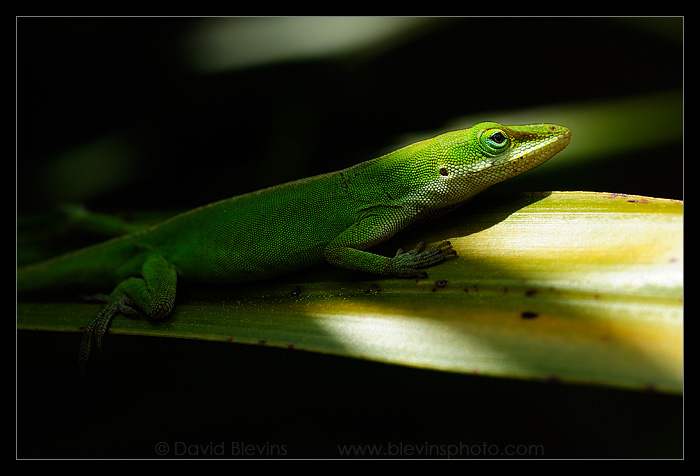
column 333, row 217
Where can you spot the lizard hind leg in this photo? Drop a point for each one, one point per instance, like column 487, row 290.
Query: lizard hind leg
column 153, row 294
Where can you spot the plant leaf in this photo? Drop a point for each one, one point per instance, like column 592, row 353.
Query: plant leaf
column 580, row 287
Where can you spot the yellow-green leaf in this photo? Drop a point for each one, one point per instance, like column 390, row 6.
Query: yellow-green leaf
column 579, row 287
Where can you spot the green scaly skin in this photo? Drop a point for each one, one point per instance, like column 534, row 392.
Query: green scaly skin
column 334, row 217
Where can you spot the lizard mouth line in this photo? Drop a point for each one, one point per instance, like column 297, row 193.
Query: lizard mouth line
column 547, row 149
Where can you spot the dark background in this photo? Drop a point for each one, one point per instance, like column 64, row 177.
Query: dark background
column 179, row 137
column 114, row 114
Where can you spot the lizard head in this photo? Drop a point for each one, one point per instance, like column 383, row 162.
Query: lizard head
column 468, row 161
column 495, row 153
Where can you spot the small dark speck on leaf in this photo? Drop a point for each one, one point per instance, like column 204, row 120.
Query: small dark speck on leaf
column 530, row 292
column 441, row 283
column 528, row 315
column 374, row 288
column 262, row 342
column 290, row 346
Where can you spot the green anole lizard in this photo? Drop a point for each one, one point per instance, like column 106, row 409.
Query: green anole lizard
column 334, row 218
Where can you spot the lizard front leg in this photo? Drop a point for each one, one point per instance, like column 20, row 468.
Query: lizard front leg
column 153, row 294
column 347, row 250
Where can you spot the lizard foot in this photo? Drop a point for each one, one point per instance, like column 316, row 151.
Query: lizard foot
column 407, row 263
column 97, row 329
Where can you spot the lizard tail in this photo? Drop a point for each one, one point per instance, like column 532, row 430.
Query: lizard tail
column 92, row 268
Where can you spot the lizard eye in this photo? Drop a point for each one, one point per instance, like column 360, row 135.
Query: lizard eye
column 495, row 141
column 498, row 137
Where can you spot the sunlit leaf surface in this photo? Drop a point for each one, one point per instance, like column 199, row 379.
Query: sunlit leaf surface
column 573, row 286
